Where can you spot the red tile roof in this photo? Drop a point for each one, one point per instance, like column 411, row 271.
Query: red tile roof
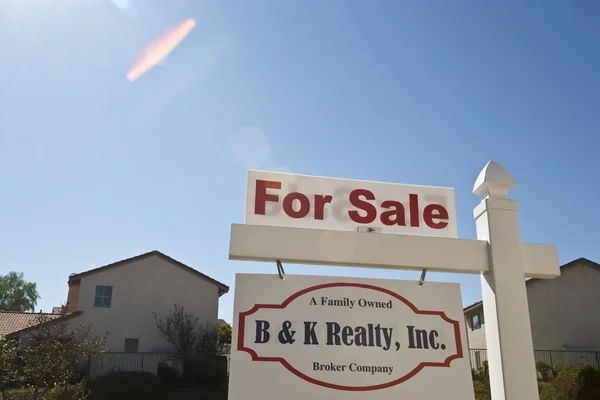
column 13, row 324
column 13, row 321
column 47, row 318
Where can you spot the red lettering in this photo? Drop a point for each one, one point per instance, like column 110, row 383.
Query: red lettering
column 435, row 211
column 261, row 197
column 396, row 216
column 413, row 201
column 288, row 205
column 362, row 205
column 392, row 213
column 320, row 202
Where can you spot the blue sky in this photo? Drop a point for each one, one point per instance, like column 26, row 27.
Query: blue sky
column 94, row 169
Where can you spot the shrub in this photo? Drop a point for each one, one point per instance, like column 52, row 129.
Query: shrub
column 208, row 369
column 548, row 391
column 576, row 383
column 77, row 391
column 581, row 383
column 482, row 374
column 545, row 371
column 167, row 374
column 482, row 390
column 127, row 386
column 198, row 392
column 590, row 383
column 48, row 358
column 59, row 392
column 481, row 382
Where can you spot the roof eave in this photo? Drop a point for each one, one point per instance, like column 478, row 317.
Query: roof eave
column 15, row 334
column 75, row 278
column 473, row 307
column 529, row 281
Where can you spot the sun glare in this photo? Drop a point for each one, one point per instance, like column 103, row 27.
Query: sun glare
column 160, row 48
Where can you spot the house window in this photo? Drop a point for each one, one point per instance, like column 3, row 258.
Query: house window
column 103, row 296
column 475, row 322
column 131, row 345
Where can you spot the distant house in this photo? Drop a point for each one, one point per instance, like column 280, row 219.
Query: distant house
column 13, row 321
column 222, row 322
column 121, row 299
column 564, row 312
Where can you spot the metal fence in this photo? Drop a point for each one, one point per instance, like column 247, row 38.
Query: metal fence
column 207, row 369
column 213, row 369
column 555, row 358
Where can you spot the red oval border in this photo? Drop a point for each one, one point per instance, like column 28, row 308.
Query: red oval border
column 289, row 367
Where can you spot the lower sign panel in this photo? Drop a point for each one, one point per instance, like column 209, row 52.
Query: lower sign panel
column 336, row 337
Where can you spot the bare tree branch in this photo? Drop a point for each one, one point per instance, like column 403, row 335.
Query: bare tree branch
column 185, row 332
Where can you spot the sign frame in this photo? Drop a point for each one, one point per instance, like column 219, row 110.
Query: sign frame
column 497, row 255
column 299, row 288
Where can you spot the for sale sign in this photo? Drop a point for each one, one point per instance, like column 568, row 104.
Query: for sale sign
column 303, row 201
column 335, row 338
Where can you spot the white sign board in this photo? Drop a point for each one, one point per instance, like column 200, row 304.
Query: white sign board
column 301, row 201
column 346, row 338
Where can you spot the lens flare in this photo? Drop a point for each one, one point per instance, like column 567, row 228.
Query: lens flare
column 160, row 48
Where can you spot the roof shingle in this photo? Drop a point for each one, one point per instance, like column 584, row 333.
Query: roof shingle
column 13, row 321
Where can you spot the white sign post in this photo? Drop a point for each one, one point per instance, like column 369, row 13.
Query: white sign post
column 424, row 224
column 507, row 328
column 344, row 338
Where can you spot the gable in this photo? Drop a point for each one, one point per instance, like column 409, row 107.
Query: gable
column 581, row 265
column 75, row 278
column 576, row 286
column 569, row 268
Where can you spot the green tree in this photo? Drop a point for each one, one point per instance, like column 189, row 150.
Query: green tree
column 48, row 360
column 224, row 331
column 16, row 294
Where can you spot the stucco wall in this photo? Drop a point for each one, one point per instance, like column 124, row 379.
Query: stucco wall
column 565, row 311
column 475, row 337
column 139, row 289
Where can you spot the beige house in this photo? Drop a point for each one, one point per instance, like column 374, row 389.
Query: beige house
column 121, row 299
column 564, row 312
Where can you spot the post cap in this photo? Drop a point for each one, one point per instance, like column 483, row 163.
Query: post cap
column 493, row 181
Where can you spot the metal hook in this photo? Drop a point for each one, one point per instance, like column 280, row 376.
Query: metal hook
column 280, row 270
column 422, row 279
